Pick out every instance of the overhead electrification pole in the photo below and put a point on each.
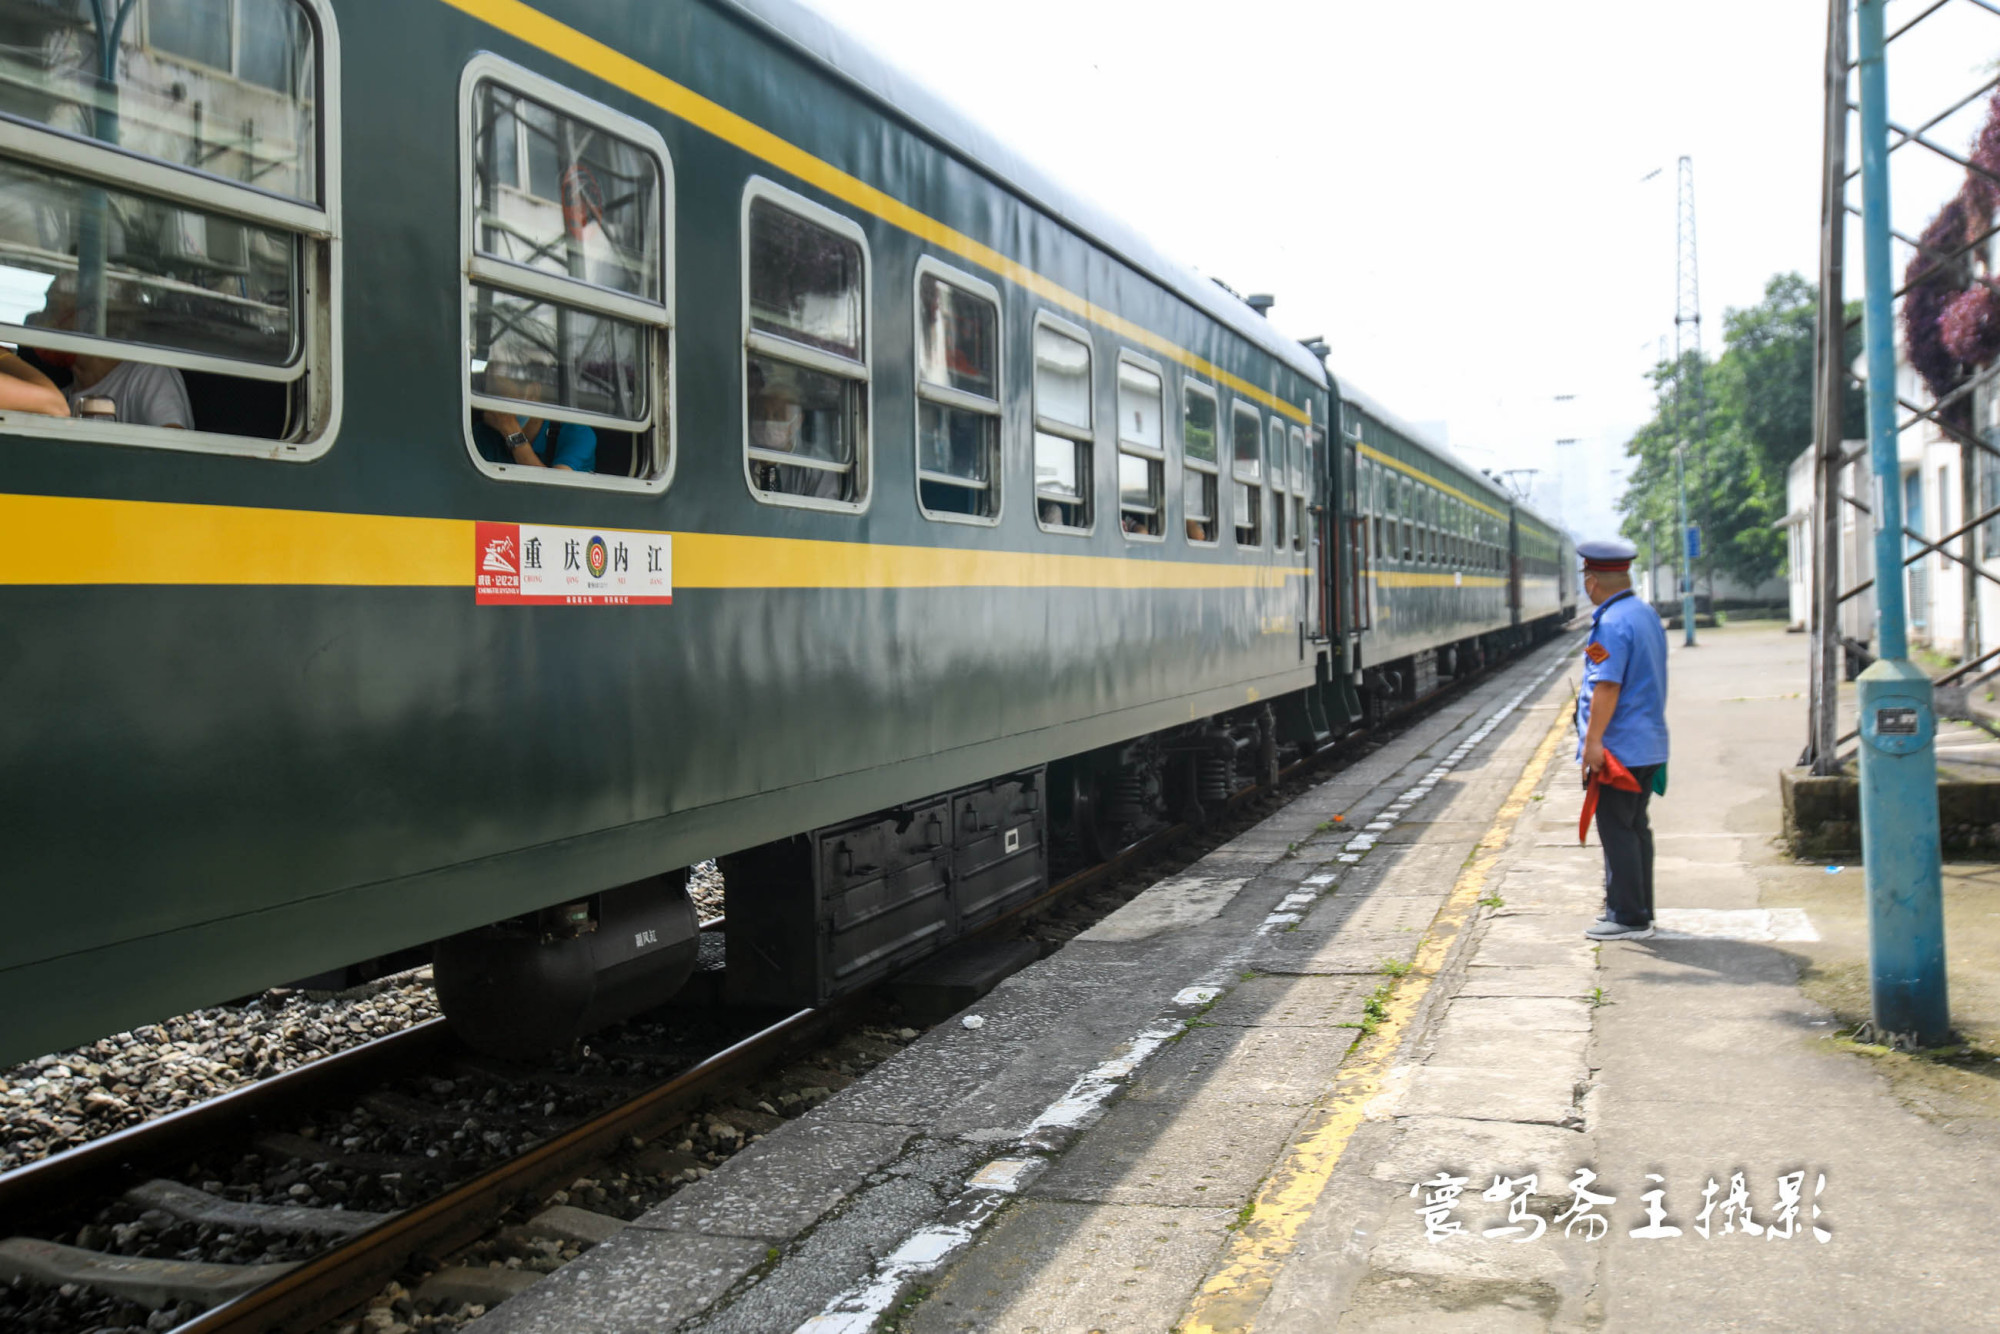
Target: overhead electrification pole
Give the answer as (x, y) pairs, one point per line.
(1687, 316)
(1899, 811)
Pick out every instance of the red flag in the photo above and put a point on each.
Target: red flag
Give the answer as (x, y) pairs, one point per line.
(1614, 774)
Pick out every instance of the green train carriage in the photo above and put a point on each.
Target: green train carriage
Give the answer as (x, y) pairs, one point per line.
(927, 520)
(1443, 569)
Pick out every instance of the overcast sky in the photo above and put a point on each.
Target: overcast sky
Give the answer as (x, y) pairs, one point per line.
(1452, 192)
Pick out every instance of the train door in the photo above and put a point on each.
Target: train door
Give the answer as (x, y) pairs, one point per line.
(1514, 570)
(1310, 490)
(1354, 530)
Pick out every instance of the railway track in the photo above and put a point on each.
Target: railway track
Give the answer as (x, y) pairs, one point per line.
(345, 1256)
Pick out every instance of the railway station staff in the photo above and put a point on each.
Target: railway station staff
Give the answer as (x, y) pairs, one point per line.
(1621, 710)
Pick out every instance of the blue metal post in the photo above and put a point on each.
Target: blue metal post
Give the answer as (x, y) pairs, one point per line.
(1687, 556)
(1899, 812)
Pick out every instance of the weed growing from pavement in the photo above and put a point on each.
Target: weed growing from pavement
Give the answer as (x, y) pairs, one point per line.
(1493, 901)
(1395, 967)
(892, 1323)
(1245, 1214)
(1597, 997)
(1376, 1008)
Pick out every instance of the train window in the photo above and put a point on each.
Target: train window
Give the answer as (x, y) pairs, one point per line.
(1142, 453)
(958, 395)
(1409, 526)
(1280, 504)
(1063, 426)
(1247, 467)
(1301, 475)
(806, 339)
(1199, 428)
(167, 261)
(567, 293)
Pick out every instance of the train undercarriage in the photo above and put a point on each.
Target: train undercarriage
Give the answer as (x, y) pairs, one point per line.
(828, 911)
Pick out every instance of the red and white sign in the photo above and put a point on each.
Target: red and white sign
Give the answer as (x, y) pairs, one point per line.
(532, 564)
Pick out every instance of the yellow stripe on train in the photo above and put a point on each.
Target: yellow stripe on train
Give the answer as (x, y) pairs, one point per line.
(57, 540)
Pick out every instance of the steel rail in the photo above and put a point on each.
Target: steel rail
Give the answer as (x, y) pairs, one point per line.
(104, 1166)
(332, 1282)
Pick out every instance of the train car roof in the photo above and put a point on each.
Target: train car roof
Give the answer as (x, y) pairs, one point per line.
(1422, 440)
(898, 95)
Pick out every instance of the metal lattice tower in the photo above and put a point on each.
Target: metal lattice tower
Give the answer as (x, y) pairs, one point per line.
(1687, 339)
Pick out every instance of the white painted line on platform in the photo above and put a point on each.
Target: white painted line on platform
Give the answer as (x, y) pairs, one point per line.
(1095, 1086)
(1004, 1173)
(1755, 925)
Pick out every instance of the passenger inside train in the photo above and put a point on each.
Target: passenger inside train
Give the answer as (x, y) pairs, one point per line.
(106, 388)
(783, 421)
(530, 442)
(24, 388)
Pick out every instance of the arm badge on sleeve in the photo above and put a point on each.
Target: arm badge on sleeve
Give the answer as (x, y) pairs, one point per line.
(1596, 652)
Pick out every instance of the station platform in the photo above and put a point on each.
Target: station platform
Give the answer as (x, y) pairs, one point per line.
(1303, 1084)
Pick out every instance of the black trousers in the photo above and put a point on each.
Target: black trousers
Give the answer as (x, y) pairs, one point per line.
(1627, 837)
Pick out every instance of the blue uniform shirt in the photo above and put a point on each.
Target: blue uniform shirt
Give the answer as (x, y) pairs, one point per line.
(575, 447)
(1628, 646)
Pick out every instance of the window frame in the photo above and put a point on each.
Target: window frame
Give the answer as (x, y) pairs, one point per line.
(780, 348)
(1213, 470)
(476, 270)
(1076, 435)
(1302, 484)
(314, 227)
(1240, 407)
(1280, 478)
(931, 266)
(1127, 357)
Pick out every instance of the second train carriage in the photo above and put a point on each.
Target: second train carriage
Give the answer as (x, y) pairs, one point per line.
(926, 515)
(1440, 568)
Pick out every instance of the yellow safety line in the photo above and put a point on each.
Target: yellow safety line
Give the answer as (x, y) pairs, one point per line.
(594, 57)
(1369, 451)
(1236, 1291)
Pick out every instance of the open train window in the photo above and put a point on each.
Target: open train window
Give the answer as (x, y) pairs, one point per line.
(1247, 468)
(1280, 503)
(568, 289)
(958, 395)
(1142, 448)
(806, 340)
(1064, 426)
(169, 261)
(1200, 427)
(1301, 483)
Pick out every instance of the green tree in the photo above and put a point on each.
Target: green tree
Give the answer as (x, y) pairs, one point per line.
(1759, 417)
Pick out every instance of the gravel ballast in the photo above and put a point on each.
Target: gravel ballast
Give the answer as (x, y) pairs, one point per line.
(68, 1098)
